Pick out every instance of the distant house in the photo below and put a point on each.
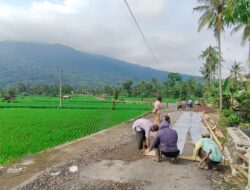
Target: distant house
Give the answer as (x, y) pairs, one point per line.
(66, 97)
(104, 95)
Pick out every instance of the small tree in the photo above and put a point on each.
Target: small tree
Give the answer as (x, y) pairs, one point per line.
(127, 85)
(11, 92)
(235, 74)
(115, 97)
(116, 94)
(173, 78)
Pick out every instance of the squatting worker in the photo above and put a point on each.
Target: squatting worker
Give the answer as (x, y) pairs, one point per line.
(165, 141)
(208, 151)
(142, 128)
(157, 110)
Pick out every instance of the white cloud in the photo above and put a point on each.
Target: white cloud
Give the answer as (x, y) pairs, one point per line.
(150, 9)
(105, 27)
(68, 6)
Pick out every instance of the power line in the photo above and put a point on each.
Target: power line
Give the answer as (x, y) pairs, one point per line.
(141, 32)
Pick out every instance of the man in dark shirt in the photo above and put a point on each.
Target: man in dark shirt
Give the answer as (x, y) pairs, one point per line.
(165, 141)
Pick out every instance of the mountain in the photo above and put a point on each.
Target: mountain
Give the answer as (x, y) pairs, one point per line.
(25, 62)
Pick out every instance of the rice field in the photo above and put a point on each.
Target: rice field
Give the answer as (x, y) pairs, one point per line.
(26, 130)
(75, 102)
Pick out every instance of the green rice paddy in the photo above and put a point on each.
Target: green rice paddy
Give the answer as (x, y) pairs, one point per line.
(32, 124)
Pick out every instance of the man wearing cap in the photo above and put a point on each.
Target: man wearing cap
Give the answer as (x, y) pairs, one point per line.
(208, 151)
(142, 128)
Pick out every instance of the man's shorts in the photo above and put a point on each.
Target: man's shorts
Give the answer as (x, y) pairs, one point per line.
(171, 154)
(140, 137)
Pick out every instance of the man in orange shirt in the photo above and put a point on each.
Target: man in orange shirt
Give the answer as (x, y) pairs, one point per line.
(157, 110)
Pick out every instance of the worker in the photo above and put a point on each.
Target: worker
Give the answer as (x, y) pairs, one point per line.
(208, 151)
(142, 128)
(190, 103)
(165, 141)
(157, 110)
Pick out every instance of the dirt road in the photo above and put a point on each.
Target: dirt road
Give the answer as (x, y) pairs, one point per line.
(108, 160)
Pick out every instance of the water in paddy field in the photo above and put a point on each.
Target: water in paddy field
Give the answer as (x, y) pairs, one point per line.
(189, 122)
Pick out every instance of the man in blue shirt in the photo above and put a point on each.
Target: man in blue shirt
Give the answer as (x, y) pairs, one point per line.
(208, 151)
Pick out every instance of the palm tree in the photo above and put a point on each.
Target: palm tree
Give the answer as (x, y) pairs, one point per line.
(238, 14)
(205, 73)
(232, 82)
(213, 18)
(190, 84)
(235, 73)
(210, 55)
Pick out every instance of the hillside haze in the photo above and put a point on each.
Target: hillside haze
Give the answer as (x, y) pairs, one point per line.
(24, 62)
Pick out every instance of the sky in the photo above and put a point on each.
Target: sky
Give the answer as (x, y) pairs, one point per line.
(105, 27)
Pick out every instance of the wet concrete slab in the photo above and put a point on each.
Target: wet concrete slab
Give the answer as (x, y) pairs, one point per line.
(189, 122)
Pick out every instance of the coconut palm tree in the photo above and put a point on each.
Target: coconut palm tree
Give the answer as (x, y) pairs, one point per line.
(213, 18)
(210, 55)
(231, 84)
(205, 73)
(236, 73)
(237, 13)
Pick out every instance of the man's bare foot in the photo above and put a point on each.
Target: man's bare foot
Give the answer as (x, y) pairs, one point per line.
(173, 160)
(156, 159)
(141, 151)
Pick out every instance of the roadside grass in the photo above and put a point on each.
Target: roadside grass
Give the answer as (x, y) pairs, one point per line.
(150, 99)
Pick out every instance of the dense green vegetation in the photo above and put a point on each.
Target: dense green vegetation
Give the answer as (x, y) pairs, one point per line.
(171, 89)
(232, 93)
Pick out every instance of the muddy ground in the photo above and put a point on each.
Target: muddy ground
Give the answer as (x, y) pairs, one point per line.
(110, 160)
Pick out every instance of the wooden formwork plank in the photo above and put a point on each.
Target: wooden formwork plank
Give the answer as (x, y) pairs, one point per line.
(220, 134)
(241, 170)
(212, 133)
(243, 157)
(190, 158)
(184, 157)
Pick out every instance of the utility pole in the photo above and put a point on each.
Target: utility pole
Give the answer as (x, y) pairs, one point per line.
(61, 75)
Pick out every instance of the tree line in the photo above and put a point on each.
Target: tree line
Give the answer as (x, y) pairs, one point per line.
(173, 87)
(21, 89)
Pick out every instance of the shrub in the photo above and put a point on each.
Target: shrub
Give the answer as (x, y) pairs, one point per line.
(233, 120)
(228, 112)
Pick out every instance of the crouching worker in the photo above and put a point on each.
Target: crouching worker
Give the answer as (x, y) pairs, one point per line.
(208, 151)
(165, 141)
(142, 128)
